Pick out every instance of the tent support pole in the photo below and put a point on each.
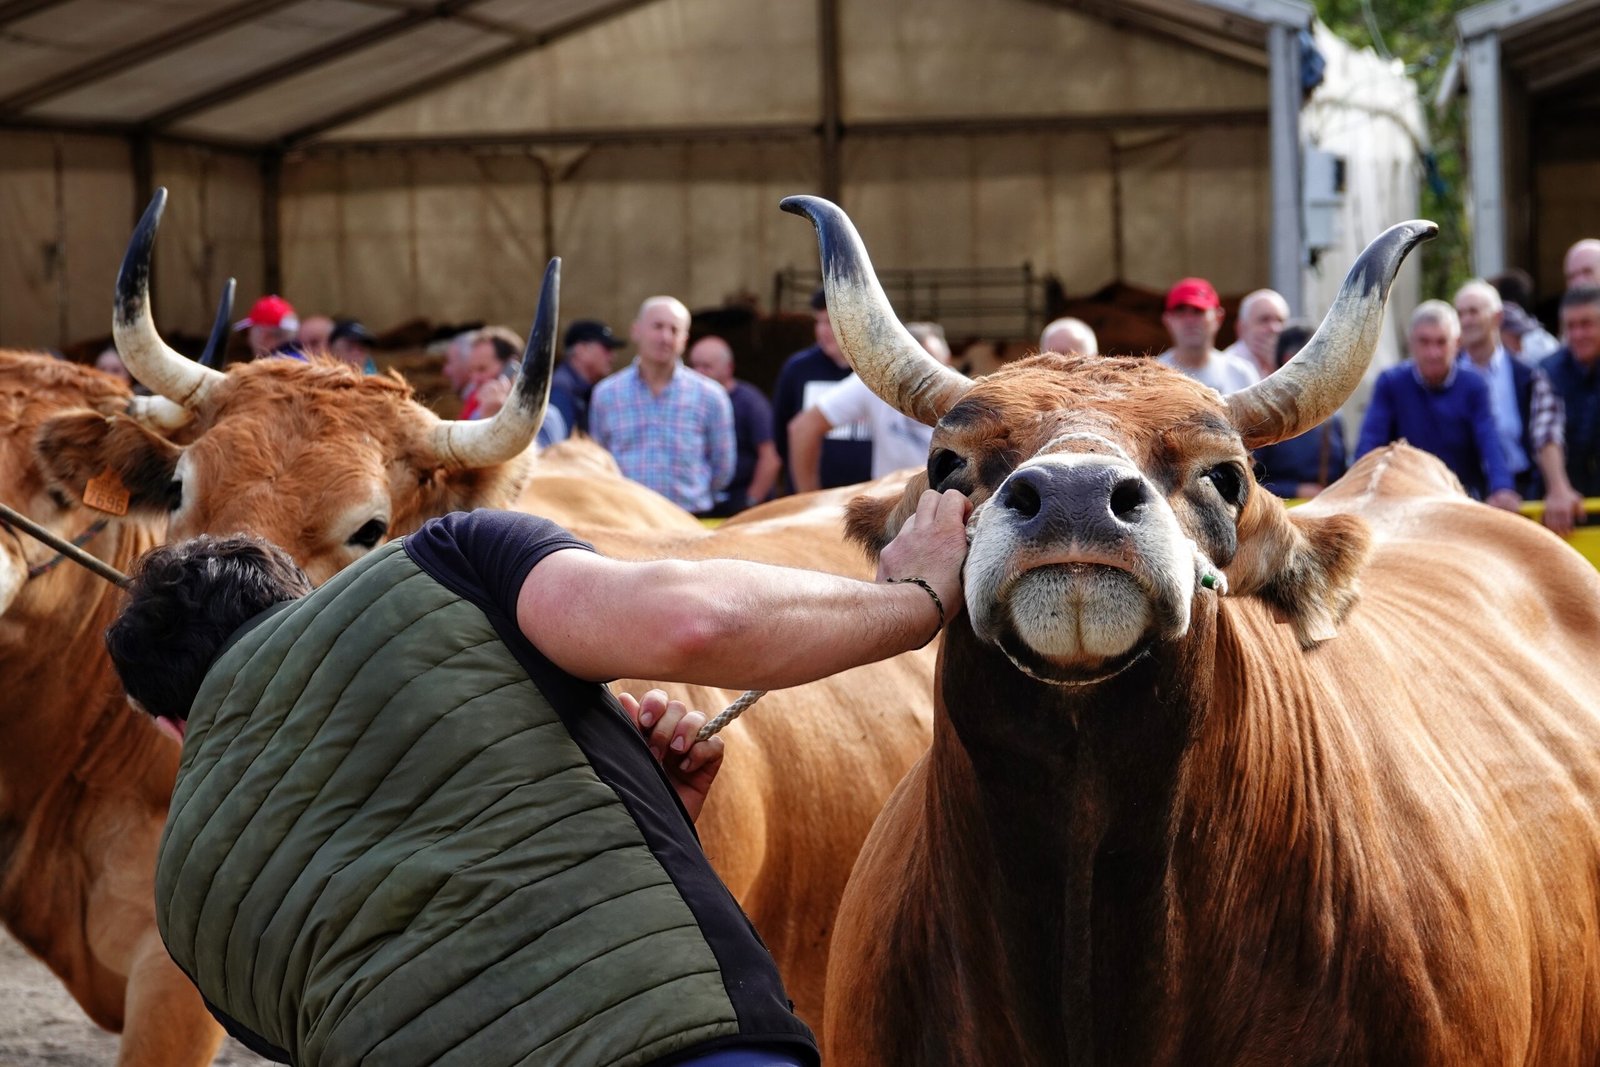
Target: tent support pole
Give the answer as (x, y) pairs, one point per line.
(1283, 122)
(271, 231)
(832, 127)
(1486, 164)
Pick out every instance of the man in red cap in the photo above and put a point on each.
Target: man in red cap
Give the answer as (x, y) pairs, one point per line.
(1192, 318)
(272, 324)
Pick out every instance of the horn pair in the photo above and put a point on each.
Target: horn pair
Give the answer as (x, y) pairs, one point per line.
(182, 386)
(1298, 396)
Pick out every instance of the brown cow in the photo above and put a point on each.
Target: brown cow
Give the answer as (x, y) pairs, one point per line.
(1349, 813)
(84, 782)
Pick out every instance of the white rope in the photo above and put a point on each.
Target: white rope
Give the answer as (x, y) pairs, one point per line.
(731, 712)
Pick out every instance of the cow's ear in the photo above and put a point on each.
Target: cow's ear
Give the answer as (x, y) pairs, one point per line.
(1306, 568)
(73, 447)
(873, 521)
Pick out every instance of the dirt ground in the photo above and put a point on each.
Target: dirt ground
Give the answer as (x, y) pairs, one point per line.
(41, 1025)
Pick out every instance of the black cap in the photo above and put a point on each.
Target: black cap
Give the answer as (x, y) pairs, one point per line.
(351, 330)
(590, 330)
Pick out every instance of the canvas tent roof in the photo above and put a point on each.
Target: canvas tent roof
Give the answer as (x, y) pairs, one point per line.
(283, 73)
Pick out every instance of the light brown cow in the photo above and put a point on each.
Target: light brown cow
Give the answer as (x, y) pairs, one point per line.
(1347, 813)
(84, 782)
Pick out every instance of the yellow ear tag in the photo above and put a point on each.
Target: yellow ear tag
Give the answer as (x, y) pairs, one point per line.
(105, 492)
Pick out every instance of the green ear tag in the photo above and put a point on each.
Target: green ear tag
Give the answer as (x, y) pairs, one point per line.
(1209, 579)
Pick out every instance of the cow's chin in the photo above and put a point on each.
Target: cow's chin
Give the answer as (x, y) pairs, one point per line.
(1076, 623)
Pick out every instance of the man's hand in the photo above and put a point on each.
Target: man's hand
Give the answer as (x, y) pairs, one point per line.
(932, 545)
(492, 396)
(669, 728)
(1506, 499)
(1563, 506)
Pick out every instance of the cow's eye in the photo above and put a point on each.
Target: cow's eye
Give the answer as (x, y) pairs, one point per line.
(370, 534)
(1229, 481)
(941, 465)
(175, 494)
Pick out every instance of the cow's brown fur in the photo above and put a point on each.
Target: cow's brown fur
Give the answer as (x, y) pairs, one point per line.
(1253, 845)
(84, 780)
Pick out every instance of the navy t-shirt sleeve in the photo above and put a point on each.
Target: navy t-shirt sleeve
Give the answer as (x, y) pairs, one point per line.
(485, 555)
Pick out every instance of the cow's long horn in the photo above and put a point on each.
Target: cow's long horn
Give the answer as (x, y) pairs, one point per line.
(881, 350)
(148, 358)
(1322, 375)
(463, 443)
(221, 326)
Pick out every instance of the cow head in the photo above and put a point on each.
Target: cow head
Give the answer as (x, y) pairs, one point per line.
(313, 456)
(1113, 494)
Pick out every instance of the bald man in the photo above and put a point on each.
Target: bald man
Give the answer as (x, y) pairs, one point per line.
(1068, 336)
(1582, 264)
(756, 472)
(668, 426)
(1260, 321)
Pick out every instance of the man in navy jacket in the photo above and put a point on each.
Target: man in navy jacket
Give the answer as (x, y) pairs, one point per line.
(1442, 407)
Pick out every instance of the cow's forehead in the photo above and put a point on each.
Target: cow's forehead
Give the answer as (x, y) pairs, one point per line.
(1036, 404)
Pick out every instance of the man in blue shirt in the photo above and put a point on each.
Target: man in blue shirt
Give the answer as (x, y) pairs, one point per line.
(806, 375)
(669, 427)
(1574, 371)
(1442, 407)
(586, 359)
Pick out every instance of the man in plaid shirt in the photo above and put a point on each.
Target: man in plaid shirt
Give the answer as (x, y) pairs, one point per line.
(669, 427)
(1528, 414)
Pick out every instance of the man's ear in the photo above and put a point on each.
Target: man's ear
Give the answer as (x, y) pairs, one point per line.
(1306, 568)
(873, 521)
(73, 447)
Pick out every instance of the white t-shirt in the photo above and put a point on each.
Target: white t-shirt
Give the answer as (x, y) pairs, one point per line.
(1222, 372)
(898, 441)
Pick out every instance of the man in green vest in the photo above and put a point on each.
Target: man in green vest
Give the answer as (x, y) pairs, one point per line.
(411, 824)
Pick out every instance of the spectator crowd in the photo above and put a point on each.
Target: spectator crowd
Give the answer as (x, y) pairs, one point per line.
(1512, 409)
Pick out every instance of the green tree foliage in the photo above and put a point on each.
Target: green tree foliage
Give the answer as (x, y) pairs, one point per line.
(1422, 34)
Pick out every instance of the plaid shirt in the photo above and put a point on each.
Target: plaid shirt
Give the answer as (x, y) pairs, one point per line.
(1547, 415)
(680, 443)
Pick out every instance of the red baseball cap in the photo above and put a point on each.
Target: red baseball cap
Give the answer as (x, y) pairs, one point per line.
(1194, 293)
(273, 311)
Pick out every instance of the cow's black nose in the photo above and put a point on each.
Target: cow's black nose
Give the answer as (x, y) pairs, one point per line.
(1084, 501)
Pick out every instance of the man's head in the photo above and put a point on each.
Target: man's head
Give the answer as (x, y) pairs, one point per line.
(1069, 336)
(1582, 264)
(1580, 323)
(588, 345)
(456, 357)
(1291, 339)
(1193, 316)
(110, 361)
(661, 332)
(315, 333)
(713, 357)
(184, 602)
(1261, 318)
(930, 335)
(493, 349)
(1480, 312)
(822, 327)
(351, 342)
(272, 324)
(1432, 339)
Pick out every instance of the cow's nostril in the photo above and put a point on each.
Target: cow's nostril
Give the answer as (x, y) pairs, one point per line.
(1022, 498)
(1127, 497)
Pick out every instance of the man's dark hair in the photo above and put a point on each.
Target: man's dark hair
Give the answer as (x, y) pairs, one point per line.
(1515, 286)
(1583, 296)
(1292, 338)
(184, 602)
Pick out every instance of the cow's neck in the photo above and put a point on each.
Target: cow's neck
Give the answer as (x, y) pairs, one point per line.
(62, 702)
(1060, 802)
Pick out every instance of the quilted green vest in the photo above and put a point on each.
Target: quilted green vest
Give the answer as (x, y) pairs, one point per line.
(385, 848)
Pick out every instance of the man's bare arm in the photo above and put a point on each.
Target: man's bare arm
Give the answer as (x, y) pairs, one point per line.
(742, 625)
